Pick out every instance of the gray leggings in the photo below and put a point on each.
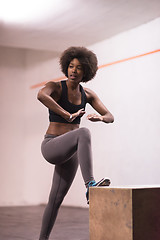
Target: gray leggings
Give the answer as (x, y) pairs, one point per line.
(66, 152)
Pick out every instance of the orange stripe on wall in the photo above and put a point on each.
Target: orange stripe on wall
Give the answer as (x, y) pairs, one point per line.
(101, 66)
(127, 59)
(43, 83)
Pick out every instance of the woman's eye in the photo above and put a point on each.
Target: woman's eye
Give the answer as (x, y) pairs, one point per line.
(79, 68)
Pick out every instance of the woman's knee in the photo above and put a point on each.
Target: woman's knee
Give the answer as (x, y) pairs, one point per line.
(85, 133)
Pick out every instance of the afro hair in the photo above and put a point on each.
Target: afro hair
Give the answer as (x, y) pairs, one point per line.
(86, 57)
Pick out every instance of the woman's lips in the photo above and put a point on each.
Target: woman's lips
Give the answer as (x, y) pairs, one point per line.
(73, 76)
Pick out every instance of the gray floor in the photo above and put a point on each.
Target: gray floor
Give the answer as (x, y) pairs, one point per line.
(23, 223)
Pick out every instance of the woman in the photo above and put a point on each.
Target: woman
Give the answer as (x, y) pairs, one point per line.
(65, 144)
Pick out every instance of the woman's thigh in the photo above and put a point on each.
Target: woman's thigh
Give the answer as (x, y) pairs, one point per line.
(59, 149)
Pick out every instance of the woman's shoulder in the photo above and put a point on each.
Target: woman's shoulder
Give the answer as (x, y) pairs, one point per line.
(90, 94)
(54, 85)
(88, 91)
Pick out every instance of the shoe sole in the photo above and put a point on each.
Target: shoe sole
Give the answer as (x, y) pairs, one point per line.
(103, 182)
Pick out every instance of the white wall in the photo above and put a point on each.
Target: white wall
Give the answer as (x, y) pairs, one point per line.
(126, 151)
(12, 81)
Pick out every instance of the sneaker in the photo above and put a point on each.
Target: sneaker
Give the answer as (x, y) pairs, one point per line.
(102, 183)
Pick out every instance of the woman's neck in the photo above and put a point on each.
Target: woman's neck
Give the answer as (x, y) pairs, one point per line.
(72, 85)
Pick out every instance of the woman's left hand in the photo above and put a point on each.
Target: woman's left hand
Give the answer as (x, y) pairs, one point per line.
(94, 117)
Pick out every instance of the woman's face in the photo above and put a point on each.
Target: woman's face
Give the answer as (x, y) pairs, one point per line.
(75, 71)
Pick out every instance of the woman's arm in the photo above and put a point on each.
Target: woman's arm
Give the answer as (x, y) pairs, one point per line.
(95, 102)
(44, 96)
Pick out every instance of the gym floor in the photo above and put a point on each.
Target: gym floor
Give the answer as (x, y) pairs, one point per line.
(23, 223)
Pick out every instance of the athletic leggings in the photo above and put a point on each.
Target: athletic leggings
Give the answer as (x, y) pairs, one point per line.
(66, 152)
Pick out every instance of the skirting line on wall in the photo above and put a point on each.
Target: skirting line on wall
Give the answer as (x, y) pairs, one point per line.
(101, 66)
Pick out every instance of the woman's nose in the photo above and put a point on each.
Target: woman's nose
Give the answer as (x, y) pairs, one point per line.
(74, 70)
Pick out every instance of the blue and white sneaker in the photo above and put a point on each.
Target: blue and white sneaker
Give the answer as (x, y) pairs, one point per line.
(102, 183)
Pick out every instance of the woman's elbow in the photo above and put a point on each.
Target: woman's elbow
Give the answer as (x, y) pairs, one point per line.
(111, 119)
(40, 96)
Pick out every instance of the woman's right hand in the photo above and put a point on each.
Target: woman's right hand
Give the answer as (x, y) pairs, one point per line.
(79, 113)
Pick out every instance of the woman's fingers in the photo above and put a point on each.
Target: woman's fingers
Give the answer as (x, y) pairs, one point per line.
(94, 117)
(81, 112)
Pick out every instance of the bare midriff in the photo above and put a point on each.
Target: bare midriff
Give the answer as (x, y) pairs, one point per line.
(56, 128)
